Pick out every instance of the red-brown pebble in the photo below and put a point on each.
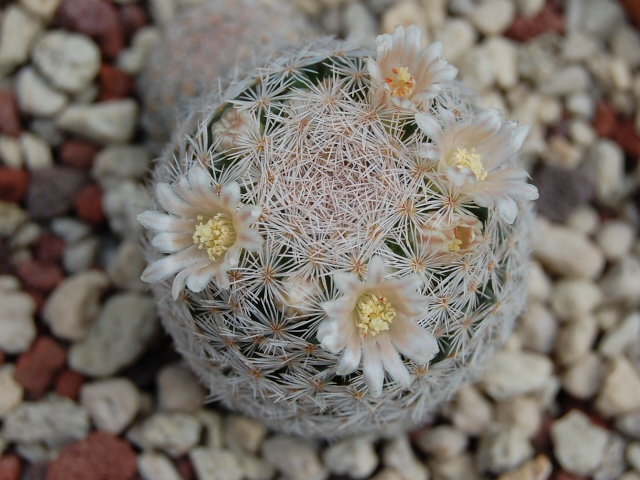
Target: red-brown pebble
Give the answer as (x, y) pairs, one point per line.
(526, 28)
(49, 248)
(2, 357)
(185, 468)
(68, 384)
(40, 276)
(9, 467)
(633, 9)
(562, 475)
(35, 471)
(133, 18)
(96, 18)
(36, 369)
(37, 296)
(78, 154)
(628, 139)
(13, 184)
(51, 191)
(99, 456)
(114, 83)
(605, 121)
(9, 116)
(88, 204)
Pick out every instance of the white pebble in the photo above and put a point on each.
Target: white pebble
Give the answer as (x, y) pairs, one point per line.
(173, 433)
(578, 47)
(572, 299)
(563, 153)
(539, 283)
(530, 8)
(17, 34)
(70, 61)
(457, 468)
(80, 255)
(621, 283)
(217, 464)
(629, 424)
(471, 411)
(214, 430)
(17, 326)
(156, 466)
(615, 238)
(584, 378)
(522, 412)
(74, 304)
(503, 448)
(11, 218)
(540, 468)
(516, 373)
(581, 104)
(537, 328)
(11, 153)
(293, 457)
(162, 11)
(255, 468)
(113, 121)
(633, 455)
(620, 392)
(116, 163)
(568, 80)
(584, 220)
(442, 441)
(620, 74)
(179, 389)
(37, 152)
(355, 458)
(618, 339)
(581, 133)
(566, 252)
(112, 403)
(10, 391)
(493, 16)
(606, 161)
(397, 454)
(123, 204)
(405, 13)
(244, 434)
(132, 60)
(41, 8)
(126, 266)
(358, 21)
(625, 44)
(503, 55)
(457, 37)
(35, 96)
(578, 444)
(575, 340)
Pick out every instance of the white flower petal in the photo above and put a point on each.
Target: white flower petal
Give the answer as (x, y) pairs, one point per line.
(413, 341)
(248, 214)
(200, 181)
(172, 202)
(375, 271)
(200, 278)
(346, 282)
(171, 242)
(393, 363)
(350, 359)
(179, 283)
(372, 369)
(165, 267)
(230, 195)
(339, 307)
(333, 335)
(429, 126)
(162, 222)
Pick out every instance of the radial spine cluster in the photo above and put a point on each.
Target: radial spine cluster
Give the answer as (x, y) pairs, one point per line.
(341, 236)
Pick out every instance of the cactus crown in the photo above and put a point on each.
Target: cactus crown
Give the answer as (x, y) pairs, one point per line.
(345, 232)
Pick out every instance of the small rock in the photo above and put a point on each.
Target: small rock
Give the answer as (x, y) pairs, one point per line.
(618, 339)
(578, 444)
(112, 403)
(155, 466)
(49, 248)
(358, 21)
(41, 8)
(626, 136)
(457, 468)
(504, 57)
(442, 441)
(133, 18)
(629, 424)
(54, 422)
(471, 411)
(575, 340)
(620, 392)
(567, 81)
(98, 456)
(606, 160)
(539, 283)
(633, 455)
(404, 13)
(595, 17)
(244, 434)
(88, 204)
(116, 163)
(613, 464)
(217, 464)
(493, 16)
(615, 239)
(79, 154)
(12, 217)
(81, 255)
(581, 133)
(573, 299)
(10, 467)
(106, 122)
(503, 448)
(133, 59)
(68, 384)
(539, 468)
(174, 433)
(123, 330)
(114, 83)
(179, 390)
(537, 328)
(123, 204)
(11, 152)
(605, 122)
(37, 368)
(566, 252)
(584, 377)
(397, 454)
(582, 105)
(162, 11)
(293, 457)
(621, 283)
(10, 391)
(355, 458)
(625, 44)
(126, 266)
(578, 47)
(562, 190)
(13, 184)
(254, 468)
(19, 30)
(74, 304)
(9, 116)
(513, 373)
(37, 152)
(521, 412)
(39, 276)
(51, 191)
(68, 60)
(70, 229)
(457, 37)
(17, 326)
(212, 422)
(35, 96)
(525, 28)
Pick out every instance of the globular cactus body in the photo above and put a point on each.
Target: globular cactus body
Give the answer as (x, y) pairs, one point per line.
(345, 237)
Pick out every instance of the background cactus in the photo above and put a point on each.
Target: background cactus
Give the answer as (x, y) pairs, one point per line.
(206, 43)
(347, 236)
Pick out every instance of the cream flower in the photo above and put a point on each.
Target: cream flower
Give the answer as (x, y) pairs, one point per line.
(406, 73)
(451, 239)
(232, 126)
(477, 155)
(203, 231)
(376, 321)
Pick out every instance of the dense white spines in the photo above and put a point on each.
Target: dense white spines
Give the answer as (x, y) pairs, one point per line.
(378, 280)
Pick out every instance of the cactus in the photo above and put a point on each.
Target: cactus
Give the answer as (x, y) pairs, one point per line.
(341, 237)
(204, 43)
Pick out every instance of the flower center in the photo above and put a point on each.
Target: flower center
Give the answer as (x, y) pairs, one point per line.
(470, 159)
(374, 314)
(401, 82)
(216, 235)
(454, 245)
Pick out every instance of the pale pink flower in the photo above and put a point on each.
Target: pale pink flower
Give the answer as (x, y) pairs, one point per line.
(477, 156)
(451, 238)
(375, 321)
(203, 232)
(233, 125)
(404, 72)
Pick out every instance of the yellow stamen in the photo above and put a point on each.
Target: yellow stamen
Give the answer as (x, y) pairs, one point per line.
(402, 83)
(374, 313)
(215, 235)
(470, 159)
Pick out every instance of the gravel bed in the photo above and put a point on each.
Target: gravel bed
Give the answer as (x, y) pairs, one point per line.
(90, 387)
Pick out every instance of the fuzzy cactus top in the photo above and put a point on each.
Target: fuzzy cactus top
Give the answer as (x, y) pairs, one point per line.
(340, 235)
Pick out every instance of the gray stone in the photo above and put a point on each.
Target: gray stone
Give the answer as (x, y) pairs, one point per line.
(80, 256)
(11, 152)
(179, 389)
(572, 299)
(122, 205)
(606, 166)
(122, 332)
(118, 162)
(35, 96)
(503, 448)
(217, 464)
(584, 377)
(398, 455)
(620, 392)
(37, 152)
(10, 391)
(512, 373)
(457, 37)
(537, 328)
(126, 266)
(70, 229)
(244, 434)
(112, 403)
(575, 340)
(493, 16)
(522, 412)
(355, 458)
(17, 326)
(11, 218)
(613, 464)
(17, 34)
(294, 458)
(578, 444)
(620, 338)
(113, 121)
(629, 424)
(471, 412)
(74, 304)
(54, 422)
(156, 466)
(70, 61)
(621, 283)
(358, 21)
(442, 441)
(174, 433)
(41, 8)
